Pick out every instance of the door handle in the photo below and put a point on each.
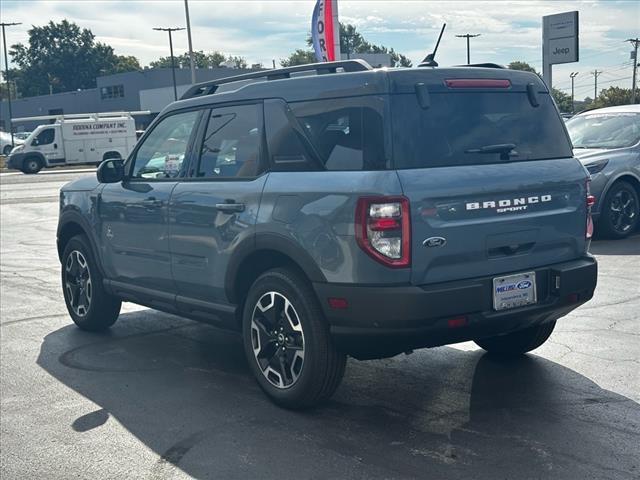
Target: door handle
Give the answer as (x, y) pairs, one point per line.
(230, 207)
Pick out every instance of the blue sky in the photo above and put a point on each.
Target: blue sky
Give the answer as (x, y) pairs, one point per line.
(266, 30)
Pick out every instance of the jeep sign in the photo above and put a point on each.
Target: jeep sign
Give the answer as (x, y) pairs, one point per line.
(559, 41)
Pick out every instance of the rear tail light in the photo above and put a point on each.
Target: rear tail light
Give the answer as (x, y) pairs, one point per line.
(383, 229)
(591, 201)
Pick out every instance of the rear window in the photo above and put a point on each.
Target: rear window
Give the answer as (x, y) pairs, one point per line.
(456, 127)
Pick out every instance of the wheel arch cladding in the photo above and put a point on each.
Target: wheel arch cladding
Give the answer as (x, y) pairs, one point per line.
(67, 231)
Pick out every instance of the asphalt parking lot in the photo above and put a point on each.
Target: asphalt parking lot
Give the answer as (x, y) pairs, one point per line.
(160, 397)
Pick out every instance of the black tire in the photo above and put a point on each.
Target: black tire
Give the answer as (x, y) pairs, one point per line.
(31, 165)
(518, 342)
(322, 367)
(98, 310)
(7, 150)
(619, 212)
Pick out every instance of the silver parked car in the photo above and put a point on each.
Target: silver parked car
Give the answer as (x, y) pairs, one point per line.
(607, 142)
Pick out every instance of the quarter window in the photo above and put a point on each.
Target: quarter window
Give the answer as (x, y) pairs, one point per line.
(163, 151)
(231, 145)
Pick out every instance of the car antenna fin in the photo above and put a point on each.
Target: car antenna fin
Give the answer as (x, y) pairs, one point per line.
(429, 60)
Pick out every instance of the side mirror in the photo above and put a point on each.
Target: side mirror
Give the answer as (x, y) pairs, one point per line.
(111, 171)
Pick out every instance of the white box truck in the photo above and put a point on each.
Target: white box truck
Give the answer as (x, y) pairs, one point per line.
(75, 139)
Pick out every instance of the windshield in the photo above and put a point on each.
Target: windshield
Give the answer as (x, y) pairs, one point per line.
(474, 128)
(604, 130)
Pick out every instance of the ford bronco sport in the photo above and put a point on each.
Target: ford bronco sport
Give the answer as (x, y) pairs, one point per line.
(333, 209)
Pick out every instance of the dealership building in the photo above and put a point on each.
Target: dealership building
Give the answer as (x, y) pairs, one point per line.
(148, 89)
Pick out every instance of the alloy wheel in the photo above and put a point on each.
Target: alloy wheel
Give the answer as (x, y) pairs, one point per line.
(622, 211)
(77, 282)
(277, 339)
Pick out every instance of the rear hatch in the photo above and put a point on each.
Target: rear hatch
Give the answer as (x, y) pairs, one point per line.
(486, 163)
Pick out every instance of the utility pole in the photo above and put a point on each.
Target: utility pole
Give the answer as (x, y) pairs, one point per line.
(468, 36)
(6, 75)
(573, 104)
(634, 42)
(595, 74)
(192, 63)
(173, 61)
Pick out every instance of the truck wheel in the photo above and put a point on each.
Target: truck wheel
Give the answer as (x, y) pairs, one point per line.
(620, 211)
(89, 305)
(287, 341)
(518, 342)
(31, 165)
(7, 150)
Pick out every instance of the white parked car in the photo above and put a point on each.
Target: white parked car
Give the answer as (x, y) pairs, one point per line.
(5, 142)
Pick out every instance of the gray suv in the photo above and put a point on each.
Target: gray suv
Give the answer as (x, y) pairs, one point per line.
(333, 209)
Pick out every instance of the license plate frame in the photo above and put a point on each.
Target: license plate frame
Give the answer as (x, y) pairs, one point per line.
(514, 291)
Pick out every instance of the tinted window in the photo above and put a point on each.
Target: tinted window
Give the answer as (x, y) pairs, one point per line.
(163, 151)
(604, 130)
(45, 137)
(456, 125)
(231, 145)
(347, 134)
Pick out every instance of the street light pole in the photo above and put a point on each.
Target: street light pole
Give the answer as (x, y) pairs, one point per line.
(191, 60)
(468, 36)
(173, 62)
(573, 75)
(6, 75)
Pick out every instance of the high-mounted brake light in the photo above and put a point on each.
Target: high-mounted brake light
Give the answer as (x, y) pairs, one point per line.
(383, 229)
(477, 83)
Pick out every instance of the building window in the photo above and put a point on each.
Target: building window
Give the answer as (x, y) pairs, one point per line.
(112, 91)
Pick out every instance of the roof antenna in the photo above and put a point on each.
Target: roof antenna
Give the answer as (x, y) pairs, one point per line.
(429, 60)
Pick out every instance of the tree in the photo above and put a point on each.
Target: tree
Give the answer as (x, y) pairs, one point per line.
(201, 60)
(351, 42)
(524, 66)
(237, 62)
(612, 96)
(563, 100)
(61, 57)
(299, 57)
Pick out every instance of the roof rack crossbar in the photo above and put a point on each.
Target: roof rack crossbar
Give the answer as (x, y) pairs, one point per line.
(209, 88)
(483, 65)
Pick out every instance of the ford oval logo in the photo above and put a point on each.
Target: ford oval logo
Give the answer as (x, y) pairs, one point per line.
(435, 242)
(524, 284)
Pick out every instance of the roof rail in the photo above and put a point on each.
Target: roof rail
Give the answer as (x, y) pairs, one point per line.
(483, 65)
(209, 88)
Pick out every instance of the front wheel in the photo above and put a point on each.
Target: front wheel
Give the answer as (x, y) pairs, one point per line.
(518, 342)
(287, 341)
(89, 305)
(31, 165)
(7, 150)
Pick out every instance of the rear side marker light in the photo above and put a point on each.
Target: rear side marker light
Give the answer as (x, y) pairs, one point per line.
(477, 83)
(338, 303)
(383, 229)
(591, 201)
(457, 322)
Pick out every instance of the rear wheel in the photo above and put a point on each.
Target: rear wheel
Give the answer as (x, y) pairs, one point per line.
(620, 211)
(89, 305)
(287, 341)
(31, 165)
(519, 342)
(7, 150)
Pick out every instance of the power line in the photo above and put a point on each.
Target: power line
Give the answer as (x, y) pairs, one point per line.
(595, 74)
(634, 42)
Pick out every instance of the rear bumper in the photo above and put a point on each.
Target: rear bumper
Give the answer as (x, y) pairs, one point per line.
(384, 321)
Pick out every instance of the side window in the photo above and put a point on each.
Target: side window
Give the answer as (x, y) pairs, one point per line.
(163, 151)
(45, 137)
(347, 135)
(231, 144)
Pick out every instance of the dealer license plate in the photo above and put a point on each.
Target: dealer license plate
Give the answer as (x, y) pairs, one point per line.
(514, 291)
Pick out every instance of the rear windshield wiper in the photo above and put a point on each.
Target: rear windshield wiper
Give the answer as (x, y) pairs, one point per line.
(506, 150)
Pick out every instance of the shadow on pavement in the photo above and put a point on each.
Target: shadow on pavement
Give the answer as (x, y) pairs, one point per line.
(185, 391)
(628, 246)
